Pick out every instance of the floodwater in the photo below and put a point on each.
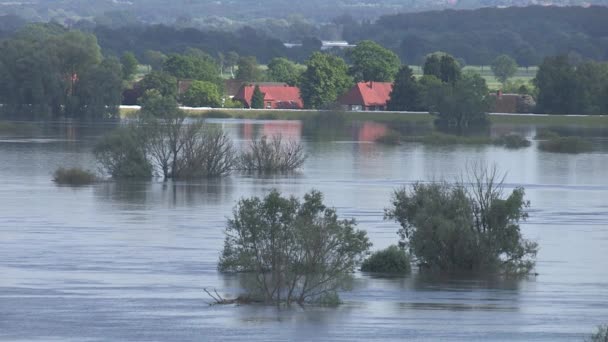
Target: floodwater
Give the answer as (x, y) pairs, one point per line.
(129, 261)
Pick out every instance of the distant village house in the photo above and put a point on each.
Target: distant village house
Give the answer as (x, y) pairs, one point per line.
(367, 96)
(276, 95)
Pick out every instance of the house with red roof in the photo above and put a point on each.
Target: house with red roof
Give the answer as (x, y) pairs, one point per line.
(367, 96)
(276, 95)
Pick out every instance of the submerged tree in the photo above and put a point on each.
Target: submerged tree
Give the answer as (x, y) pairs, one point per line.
(291, 251)
(462, 227)
(272, 155)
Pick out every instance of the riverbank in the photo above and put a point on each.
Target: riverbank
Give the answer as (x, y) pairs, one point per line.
(384, 117)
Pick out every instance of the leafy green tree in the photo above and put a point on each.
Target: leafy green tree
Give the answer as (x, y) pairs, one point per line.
(504, 67)
(406, 93)
(155, 59)
(601, 335)
(429, 85)
(196, 66)
(450, 70)
(129, 65)
(442, 66)
(462, 227)
(164, 83)
(326, 77)
(291, 251)
(248, 70)
(372, 62)
(232, 58)
(257, 99)
(432, 65)
(100, 92)
(461, 105)
(283, 70)
(202, 94)
(558, 87)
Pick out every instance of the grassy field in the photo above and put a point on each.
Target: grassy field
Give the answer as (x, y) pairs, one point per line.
(522, 74)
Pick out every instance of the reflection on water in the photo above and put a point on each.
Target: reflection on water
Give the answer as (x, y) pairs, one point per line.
(128, 260)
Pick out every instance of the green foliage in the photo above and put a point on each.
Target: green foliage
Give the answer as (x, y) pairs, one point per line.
(50, 72)
(601, 335)
(162, 82)
(248, 70)
(202, 94)
(325, 78)
(196, 66)
(129, 65)
(460, 105)
(257, 99)
(272, 155)
(74, 176)
(461, 227)
(546, 134)
(407, 93)
(565, 88)
(504, 67)
(155, 59)
(292, 251)
(372, 62)
(392, 260)
(565, 145)
(443, 66)
(122, 154)
(283, 70)
(512, 141)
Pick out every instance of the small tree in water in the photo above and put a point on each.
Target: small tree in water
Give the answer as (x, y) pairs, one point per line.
(457, 227)
(272, 155)
(291, 251)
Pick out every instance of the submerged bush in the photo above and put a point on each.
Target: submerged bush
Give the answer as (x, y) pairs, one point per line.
(601, 335)
(272, 155)
(565, 145)
(74, 176)
(545, 134)
(122, 153)
(291, 251)
(512, 141)
(392, 260)
(437, 138)
(206, 152)
(461, 227)
(390, 138)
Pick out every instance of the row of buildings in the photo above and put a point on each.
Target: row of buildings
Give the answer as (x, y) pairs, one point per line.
(363, 96)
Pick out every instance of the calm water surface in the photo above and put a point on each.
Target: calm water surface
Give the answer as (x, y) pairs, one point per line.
(128, 261)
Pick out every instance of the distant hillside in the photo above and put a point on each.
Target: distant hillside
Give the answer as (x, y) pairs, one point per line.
(164, 11)
(478, 36)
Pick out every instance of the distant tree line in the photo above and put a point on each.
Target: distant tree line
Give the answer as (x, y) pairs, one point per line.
(528, 34)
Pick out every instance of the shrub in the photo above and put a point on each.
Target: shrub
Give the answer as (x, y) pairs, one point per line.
(545, 134)
(512, 141)
(272, 155)
(206, 152)
(390, 138)
(215, 114)
(456, 227)
(601, 335)
(437, 138)
(122, 154)
(565, 145)
(74, 176)
(291, 251)
(392, 260)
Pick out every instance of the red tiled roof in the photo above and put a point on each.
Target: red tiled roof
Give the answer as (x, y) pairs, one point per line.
(279, 94)
(368, 94)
